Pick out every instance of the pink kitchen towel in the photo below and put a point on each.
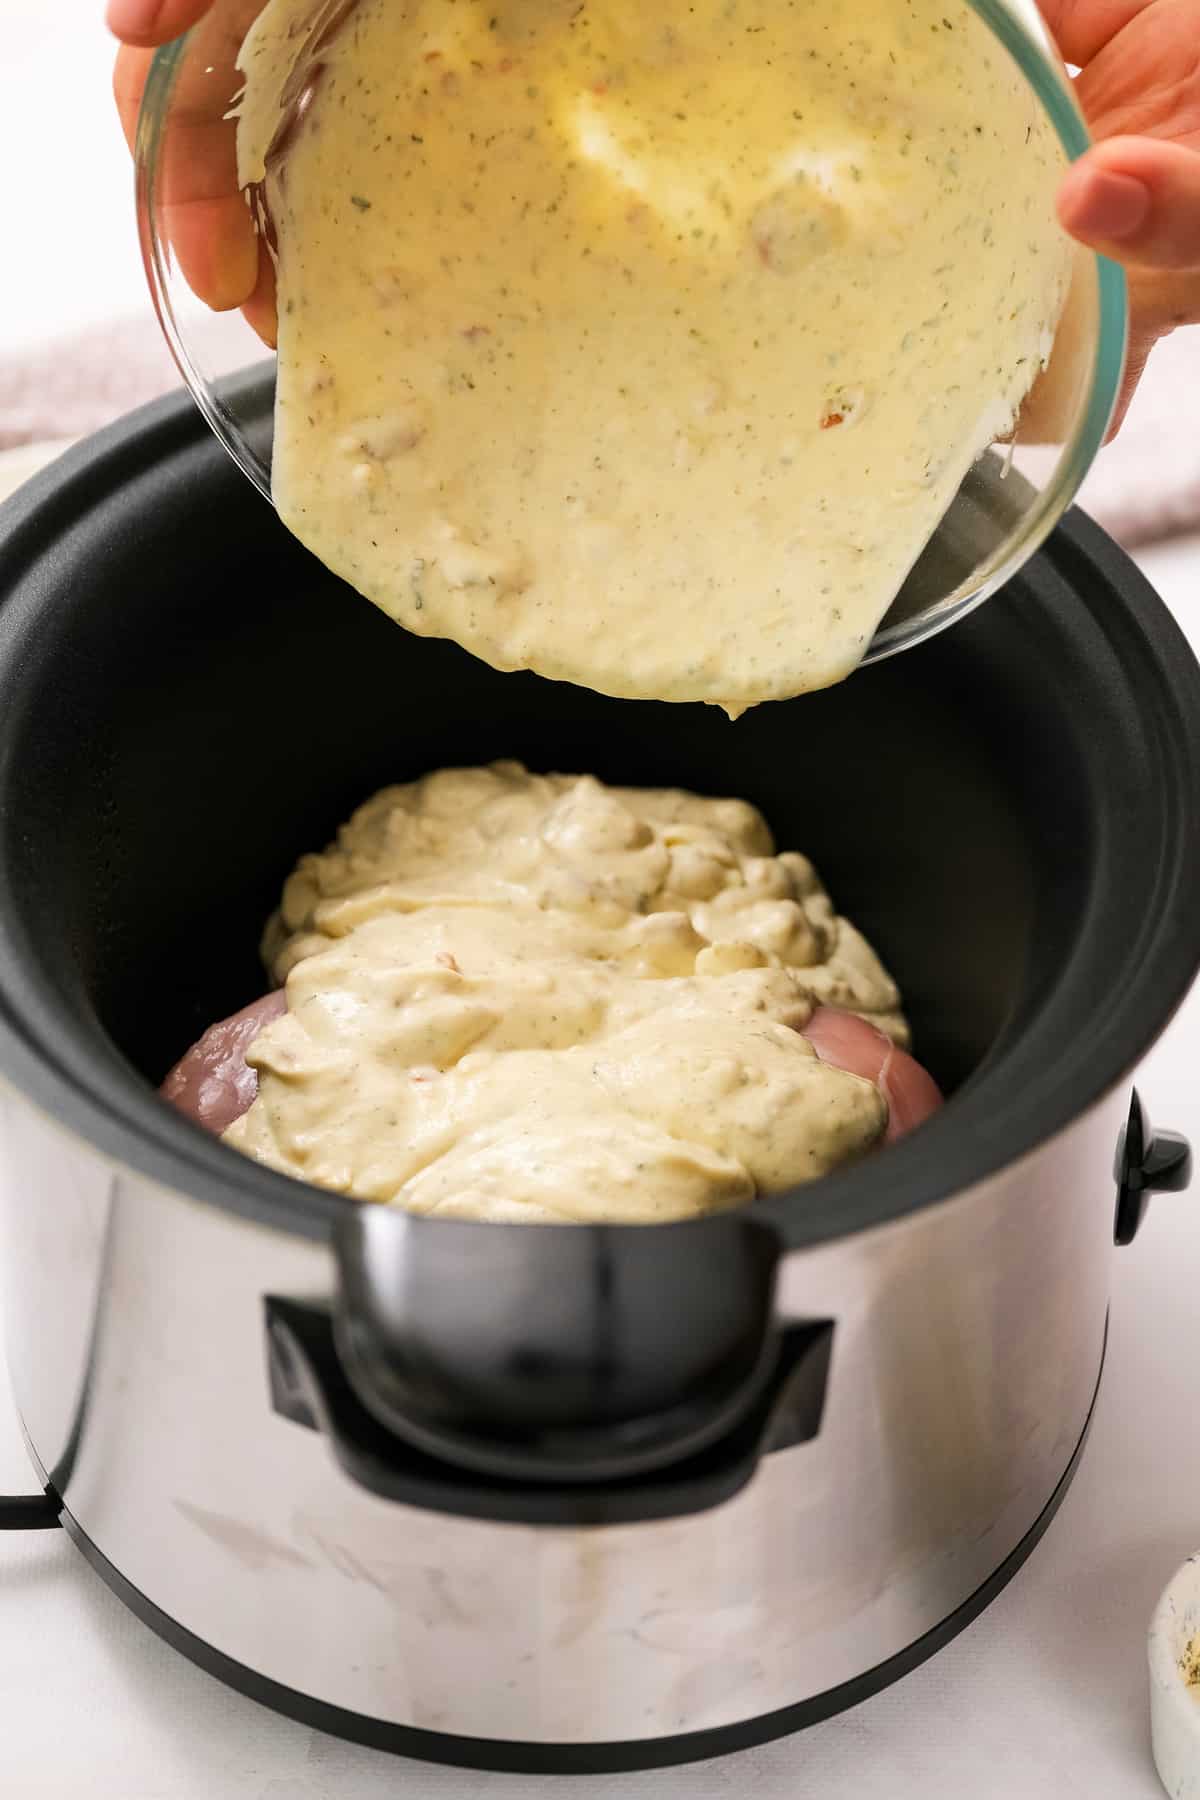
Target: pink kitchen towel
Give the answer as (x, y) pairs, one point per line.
(1144, 487)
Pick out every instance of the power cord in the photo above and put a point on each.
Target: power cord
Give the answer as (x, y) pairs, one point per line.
(29, 1512)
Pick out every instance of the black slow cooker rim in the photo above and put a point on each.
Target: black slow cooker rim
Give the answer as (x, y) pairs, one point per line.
(999, 1118)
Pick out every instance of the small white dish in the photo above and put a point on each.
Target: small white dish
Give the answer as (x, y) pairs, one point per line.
(1174, 1651)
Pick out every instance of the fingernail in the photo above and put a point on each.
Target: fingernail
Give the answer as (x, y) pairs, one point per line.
(132, 18)
(1106, 205)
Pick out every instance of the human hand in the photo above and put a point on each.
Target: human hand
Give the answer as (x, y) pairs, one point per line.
(205, 216)
(1135, 196)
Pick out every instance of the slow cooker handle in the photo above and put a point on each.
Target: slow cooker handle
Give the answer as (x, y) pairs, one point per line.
(308, 1387)
(1148, 1162)
(556, 1353)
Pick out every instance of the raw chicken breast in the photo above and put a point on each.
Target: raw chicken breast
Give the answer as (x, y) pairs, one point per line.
(214, 1085)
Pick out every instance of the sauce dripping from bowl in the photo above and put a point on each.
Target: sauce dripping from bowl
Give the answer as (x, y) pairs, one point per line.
(645, 348)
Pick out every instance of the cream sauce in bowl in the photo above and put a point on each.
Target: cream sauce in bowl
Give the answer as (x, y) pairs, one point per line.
(645, 347)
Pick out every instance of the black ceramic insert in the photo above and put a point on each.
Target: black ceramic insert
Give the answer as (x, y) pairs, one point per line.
(189, 701)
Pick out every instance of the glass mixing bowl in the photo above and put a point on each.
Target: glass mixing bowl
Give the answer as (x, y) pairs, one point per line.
(1008, 503)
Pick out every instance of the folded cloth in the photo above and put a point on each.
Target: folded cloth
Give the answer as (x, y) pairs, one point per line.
(1146, 485)
(1143, 487)
(68, 388)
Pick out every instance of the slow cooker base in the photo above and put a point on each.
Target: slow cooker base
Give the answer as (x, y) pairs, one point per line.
(500, 1755)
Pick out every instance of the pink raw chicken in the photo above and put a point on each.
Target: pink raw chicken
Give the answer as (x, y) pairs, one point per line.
(850, 1043)
(214, 1085)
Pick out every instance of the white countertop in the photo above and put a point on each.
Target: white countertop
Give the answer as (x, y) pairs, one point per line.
(1043, 1698)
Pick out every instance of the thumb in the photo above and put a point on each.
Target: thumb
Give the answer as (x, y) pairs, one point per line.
(1136, 200)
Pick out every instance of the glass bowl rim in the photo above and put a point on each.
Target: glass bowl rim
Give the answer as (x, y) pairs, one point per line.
(1024, 36)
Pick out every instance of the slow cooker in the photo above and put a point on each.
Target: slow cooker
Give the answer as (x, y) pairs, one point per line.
(561, 1497)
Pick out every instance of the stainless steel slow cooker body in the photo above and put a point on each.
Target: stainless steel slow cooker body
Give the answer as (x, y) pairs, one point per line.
(560, 1497)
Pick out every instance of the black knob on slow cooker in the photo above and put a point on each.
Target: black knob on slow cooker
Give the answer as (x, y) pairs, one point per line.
(1148, 1162)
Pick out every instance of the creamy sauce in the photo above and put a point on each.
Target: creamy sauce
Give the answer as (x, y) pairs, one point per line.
(645, 345)
(516, 996)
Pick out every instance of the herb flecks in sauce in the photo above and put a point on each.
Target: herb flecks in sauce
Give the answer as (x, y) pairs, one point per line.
(613, 254)
(516, 996)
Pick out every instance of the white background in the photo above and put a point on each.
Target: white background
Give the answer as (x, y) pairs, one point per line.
(1045, 1696)
(69, 253)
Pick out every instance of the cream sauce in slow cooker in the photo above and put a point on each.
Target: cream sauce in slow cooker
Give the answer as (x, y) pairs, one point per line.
(534, 997)
(645, 346)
